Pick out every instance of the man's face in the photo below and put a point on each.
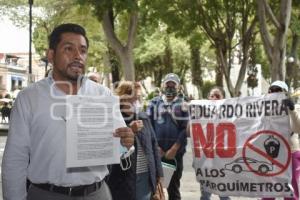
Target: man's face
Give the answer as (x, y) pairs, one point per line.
(275, 89)
(69, 57)
(170, 90)
(215, 94)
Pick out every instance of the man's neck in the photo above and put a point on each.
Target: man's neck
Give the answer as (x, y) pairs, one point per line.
(69, 87)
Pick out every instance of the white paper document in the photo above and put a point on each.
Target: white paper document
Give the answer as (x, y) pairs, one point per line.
(90, 124)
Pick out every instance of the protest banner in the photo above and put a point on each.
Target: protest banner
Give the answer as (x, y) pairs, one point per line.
(241, 146)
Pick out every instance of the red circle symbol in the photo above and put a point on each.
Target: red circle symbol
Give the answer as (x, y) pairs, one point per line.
(251, 147)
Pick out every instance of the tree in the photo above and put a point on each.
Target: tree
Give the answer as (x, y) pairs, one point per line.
(228, 25)
(275, 46)
(293, 62)
(107, 11)
(49, 14)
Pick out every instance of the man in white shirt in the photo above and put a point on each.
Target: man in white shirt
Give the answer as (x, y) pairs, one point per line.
(35, 151)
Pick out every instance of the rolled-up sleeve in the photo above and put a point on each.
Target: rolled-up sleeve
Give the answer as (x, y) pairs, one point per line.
(16, 154)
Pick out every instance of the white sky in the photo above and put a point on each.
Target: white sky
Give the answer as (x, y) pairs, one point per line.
(12, 38)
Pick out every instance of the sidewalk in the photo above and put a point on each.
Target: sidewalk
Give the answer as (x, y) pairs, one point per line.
(4, 129)
(4, 126)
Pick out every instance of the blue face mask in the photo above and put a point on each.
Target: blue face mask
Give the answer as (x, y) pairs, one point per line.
(123, 150)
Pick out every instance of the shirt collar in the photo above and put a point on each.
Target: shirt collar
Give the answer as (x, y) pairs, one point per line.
(51, 81)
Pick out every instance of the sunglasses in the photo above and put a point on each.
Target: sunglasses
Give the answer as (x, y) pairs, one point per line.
(275, 90)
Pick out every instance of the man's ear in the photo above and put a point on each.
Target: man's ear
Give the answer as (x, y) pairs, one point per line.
(50, 55)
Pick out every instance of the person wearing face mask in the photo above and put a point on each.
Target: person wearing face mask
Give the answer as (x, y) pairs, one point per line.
(139, 181)
(169, 119)
(280, 86)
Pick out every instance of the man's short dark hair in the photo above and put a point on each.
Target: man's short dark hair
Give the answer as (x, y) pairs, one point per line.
(55, 36)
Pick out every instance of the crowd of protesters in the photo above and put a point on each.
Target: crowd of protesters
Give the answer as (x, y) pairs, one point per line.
(33, 165)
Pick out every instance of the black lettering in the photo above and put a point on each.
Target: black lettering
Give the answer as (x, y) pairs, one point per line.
(269, 187)
(287, 187)
(222, 173)
(207, 184)
(199, 172)
(202, 182)
(237, 185)
(222, 111)
(278, 187)
(283, 108)
(222, 187)
(275, 107)
(213, 112)
(207, 174)
(238, 110)
(248, 110)
(213, 186)
(260, 108)
(206, 112)
(267, 108)
(214, 173)
(198, 112)
(244, 186)
(260, 186)
(192, 111)
(253, 187)
(229, 111)
(230, 187)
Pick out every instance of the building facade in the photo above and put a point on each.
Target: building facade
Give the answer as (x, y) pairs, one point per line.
(14, 71)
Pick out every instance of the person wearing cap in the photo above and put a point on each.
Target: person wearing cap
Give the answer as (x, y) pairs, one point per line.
(169, 120)
(280, 86)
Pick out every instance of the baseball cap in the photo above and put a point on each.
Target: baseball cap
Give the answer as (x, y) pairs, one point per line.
(280, 84)
(171, 77)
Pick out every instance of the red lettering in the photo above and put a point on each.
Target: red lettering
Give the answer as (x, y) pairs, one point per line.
(224, 129)
(206, 141)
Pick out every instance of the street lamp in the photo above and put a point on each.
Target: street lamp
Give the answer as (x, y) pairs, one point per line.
(30, 41)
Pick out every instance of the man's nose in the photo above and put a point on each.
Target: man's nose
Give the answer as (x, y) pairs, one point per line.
(77, 54)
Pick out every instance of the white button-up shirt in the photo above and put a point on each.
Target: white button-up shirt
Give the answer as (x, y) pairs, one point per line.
(36, 143)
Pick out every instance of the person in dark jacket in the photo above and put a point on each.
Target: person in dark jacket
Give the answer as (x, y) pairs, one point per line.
(139, 181)
(5, 112)
(169, 117)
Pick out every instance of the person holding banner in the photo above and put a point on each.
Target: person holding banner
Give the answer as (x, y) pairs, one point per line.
(145, 169)
(215, 93)
(169, 117)
(280, 86)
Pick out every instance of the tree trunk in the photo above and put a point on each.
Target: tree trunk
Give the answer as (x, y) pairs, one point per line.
(126, 59)
(291, 69)
(124, 52)
(196, 68)
(278, 63)
(276, 49)
(168, 60)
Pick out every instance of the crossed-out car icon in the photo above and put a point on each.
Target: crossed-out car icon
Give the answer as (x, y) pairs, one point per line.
(239, 165)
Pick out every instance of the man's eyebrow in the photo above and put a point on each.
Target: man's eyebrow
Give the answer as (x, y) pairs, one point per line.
(71, 43)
